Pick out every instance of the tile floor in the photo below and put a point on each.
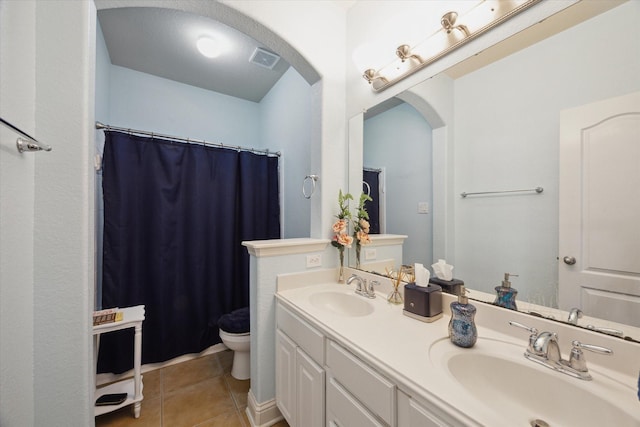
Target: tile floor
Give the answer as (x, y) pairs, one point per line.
(197, 393)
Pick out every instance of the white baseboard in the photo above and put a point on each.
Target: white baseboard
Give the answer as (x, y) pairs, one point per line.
(263, 414)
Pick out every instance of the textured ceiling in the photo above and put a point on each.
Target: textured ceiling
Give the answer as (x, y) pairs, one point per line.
(162, 42)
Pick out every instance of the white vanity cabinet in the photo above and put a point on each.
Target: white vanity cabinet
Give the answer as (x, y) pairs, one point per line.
(411, 413)
(369, 396)
(318, 379)
(300, 377)
(344, 410)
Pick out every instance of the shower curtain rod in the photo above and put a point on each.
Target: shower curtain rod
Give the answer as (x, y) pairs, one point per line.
(188, 140)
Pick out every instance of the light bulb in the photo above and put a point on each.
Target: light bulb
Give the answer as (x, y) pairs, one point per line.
(209, 47)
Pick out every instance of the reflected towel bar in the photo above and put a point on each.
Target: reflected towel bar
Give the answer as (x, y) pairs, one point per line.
(538, 190)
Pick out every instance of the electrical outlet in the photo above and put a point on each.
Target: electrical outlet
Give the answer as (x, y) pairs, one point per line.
(423, 208)
(314, 260)
(370, 254)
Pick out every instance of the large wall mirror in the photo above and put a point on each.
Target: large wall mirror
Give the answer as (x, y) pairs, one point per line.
(502, 121)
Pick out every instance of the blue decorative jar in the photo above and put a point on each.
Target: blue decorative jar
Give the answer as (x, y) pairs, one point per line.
(462, 327)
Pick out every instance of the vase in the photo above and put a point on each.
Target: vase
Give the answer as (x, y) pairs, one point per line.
(341, 268)
(395, 297)
(358, 247)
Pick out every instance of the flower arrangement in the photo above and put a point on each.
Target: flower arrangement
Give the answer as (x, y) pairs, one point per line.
(361, 226)
(341, 238)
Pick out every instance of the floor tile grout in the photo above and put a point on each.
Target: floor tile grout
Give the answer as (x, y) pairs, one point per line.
(124, 417)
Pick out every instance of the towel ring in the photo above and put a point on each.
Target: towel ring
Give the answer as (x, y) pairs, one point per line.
(366, 184)
(313, 179)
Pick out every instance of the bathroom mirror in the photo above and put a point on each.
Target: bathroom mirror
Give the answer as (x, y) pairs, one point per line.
(505, 133)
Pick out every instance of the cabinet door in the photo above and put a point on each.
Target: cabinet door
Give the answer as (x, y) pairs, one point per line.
(412, 414)
(310, 391)
(286, 377)
(363, 382)
(344, 410)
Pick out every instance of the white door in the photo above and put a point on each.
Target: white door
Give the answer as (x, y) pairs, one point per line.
(599, 244)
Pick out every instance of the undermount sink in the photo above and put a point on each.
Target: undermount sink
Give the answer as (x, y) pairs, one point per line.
(496, 374)
(342, 303)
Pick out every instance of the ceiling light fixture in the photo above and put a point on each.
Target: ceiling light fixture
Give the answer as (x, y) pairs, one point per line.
(209, 47)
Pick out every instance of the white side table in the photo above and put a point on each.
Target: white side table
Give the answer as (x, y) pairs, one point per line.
(132, 318)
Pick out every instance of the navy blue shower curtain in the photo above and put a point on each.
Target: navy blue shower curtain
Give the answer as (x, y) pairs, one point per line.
(175, 215)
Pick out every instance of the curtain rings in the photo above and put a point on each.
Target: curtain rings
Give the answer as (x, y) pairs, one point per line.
(313, 179)
(366, 184)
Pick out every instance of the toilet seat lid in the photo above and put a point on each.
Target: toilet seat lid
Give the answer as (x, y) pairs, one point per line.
(236, 322)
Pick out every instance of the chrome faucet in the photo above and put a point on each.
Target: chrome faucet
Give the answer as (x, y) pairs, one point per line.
(361, 286)
(574, 315)
(544, 349)
(546, 346)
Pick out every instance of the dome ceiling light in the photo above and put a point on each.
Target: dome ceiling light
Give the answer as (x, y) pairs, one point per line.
(210, 47)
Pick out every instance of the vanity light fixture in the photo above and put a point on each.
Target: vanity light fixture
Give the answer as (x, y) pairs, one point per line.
(486, 15)
(404, 53)
(448, 22)
(370, 76)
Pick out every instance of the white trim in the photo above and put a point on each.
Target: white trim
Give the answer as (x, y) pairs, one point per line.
(276, 247)
(262, 414)
(387, 239)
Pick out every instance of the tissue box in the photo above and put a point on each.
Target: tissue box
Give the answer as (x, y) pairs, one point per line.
(423, 302)
(452, 286)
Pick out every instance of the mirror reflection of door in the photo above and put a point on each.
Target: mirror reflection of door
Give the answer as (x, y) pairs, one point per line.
(373, 185)
(599, 209)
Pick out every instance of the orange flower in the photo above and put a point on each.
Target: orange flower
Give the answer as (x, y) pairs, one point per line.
(344, 239)
(363, 237)
(364, 224)
(340, 225)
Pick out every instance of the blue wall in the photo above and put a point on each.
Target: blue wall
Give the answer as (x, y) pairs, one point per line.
(280, 122)
(507, 119)
(285, 125)
(399, 140)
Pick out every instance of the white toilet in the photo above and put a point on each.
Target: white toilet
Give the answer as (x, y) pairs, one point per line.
(234, 333)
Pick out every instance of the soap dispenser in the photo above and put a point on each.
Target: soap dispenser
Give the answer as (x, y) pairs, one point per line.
(462, 327)
(505, 294)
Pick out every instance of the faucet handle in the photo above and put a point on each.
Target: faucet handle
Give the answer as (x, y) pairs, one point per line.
(533, 331)
(591, 347)
(532, 338)
(577, 360)
(371, 292)
(610, 331)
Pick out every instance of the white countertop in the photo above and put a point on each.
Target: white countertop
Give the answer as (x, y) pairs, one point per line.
(399, 347)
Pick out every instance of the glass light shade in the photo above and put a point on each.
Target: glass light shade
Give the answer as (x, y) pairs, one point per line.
(209, 47)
